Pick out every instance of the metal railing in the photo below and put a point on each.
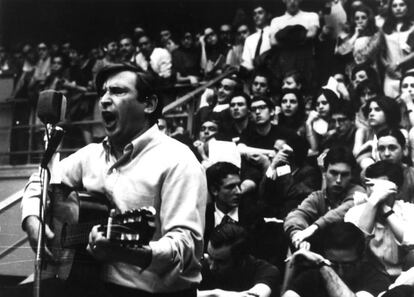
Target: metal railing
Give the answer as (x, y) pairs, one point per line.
(4, 206)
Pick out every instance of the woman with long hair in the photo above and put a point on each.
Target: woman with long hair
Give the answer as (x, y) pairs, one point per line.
(317, 123)
(381, 112)
(292, 111)
(398, 54)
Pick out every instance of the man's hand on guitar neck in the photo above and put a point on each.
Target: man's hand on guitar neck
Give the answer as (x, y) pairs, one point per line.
(31, 225)
(105, 250)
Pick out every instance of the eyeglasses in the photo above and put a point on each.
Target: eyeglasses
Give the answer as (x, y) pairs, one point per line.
(259, 108)
(209, 128)
(243, 32)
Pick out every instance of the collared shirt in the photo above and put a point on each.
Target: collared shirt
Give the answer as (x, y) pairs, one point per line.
(250, 45)
(304, 18)
(155, 170)
(160, 59)
(383, 243)
(219, 215)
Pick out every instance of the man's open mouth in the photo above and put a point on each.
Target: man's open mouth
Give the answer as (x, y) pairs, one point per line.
(109, 119)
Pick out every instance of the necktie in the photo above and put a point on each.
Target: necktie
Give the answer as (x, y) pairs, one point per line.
(226, 219)
(259, 45)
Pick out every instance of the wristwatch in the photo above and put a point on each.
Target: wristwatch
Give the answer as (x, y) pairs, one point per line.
(387, 214)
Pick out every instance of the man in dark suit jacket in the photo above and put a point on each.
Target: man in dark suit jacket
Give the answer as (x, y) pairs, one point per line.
(228, 205)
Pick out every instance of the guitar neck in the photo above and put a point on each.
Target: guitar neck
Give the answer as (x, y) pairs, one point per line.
(76, 235)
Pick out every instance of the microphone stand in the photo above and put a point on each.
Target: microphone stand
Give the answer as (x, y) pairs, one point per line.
(51, 144)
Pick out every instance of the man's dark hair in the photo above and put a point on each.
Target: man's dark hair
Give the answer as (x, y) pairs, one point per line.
(339, 154)
(390, 108)
(219, 171)
(343, 236)
(238, 87)
(125, 36)
(266, 100)
(244, 95)
(233, 235)
(394, 132)
(392, 171)
(297, 76)
(146, 85)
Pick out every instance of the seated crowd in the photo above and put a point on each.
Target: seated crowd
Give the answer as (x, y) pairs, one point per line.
(315, 196)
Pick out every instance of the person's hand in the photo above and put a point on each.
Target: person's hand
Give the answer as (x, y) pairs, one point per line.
(99, 246)
(300, 236)
(407, 98)
(381, 190)
(259, 159)
(313, 115)
(279, 159)
(343, 91)
(309, 259)
(31, 226)
(405, 278)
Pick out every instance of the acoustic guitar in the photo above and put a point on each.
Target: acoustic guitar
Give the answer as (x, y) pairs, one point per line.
(72, 216)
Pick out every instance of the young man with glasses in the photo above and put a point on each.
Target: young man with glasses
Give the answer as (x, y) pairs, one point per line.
(343, 132)
(260, 134)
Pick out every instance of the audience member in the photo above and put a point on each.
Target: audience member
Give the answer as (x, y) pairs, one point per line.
(127, 49)
(259, 42)
(328, 205)
(234, 56)
(154, 59)
(110, 49)
(186, 60)
(317, 123)
(340, 269)
(228, 204)
(398, 48)
(386, 220)
(392, 147)
(294, 33)
(292, 111)
(343, 132)
(381, 112)
(229, 270)
(236, 118)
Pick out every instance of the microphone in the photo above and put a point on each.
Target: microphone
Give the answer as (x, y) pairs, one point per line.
(51, 107)
(56, 136)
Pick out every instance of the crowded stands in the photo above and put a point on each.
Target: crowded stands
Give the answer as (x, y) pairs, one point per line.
(307, 140)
